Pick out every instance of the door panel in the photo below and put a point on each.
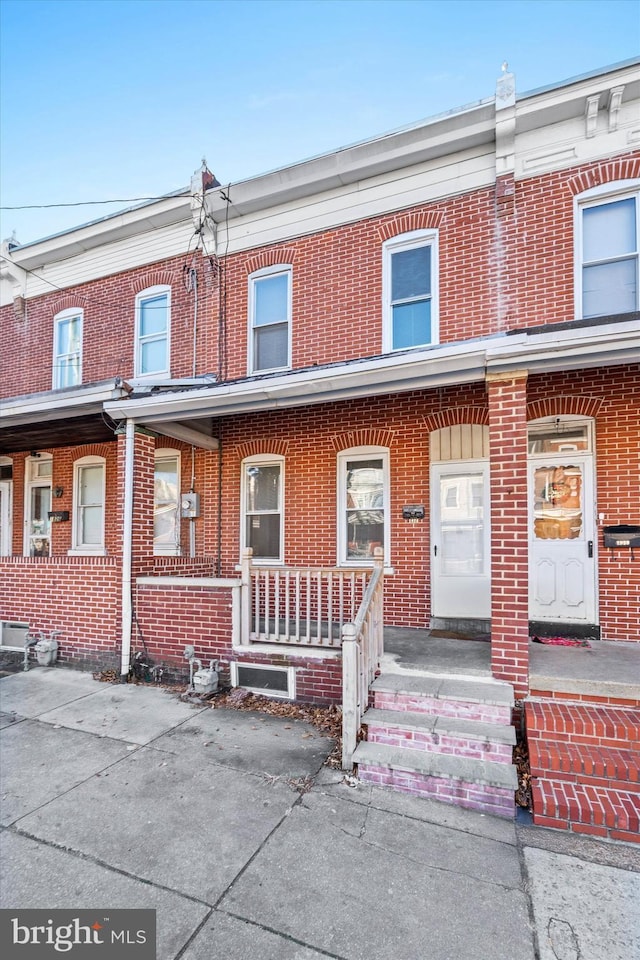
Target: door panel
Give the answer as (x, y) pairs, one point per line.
(561, 532)
(460, 568)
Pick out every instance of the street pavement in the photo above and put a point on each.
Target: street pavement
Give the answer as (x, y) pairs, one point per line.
(228, 824)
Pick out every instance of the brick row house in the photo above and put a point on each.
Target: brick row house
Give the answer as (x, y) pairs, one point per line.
(418, 355)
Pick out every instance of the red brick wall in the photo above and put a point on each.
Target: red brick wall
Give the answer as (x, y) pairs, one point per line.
(169, 617)
(80, 596)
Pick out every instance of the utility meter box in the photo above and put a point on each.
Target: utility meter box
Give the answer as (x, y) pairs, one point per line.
(205, 680)
(189, 506)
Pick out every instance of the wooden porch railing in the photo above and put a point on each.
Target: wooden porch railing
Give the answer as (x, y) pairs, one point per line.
(300, 606)
(362, 648)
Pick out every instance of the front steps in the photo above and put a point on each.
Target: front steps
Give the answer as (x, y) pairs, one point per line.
(585, 767)
(445, 738)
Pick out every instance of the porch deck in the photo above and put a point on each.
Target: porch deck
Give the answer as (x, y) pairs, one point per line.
(605, 669)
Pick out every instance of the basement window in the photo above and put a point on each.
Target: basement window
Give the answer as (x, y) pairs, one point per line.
(265, 679)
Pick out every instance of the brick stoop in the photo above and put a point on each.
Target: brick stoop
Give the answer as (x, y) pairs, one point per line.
(445, 738)
(585, 767)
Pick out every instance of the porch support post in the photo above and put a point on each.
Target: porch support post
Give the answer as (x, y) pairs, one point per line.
(507, 397)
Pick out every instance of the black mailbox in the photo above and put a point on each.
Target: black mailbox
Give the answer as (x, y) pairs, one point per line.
(413, 511)
(623, 535)
(57, 516)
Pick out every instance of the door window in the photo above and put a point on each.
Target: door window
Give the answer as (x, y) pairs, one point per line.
(557, 501)
(38, 501)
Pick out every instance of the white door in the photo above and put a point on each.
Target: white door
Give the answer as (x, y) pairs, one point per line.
(5, 518)
(460, 555)
(562, 568)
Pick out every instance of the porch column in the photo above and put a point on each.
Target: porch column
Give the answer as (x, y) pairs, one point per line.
(507, 396)
(135, 499)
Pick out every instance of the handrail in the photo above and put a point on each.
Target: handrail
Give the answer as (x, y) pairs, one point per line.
(362, 648)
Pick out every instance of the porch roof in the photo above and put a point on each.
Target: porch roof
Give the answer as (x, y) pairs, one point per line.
(614, 342)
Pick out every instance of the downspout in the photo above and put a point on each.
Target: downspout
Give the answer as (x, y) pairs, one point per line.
(127, 547)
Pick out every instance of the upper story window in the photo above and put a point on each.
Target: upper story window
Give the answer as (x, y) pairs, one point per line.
(67, 349)
(153, 321)
(88, 505)
(608, 250)
(270, 319)
(166, 514)
(410, 290)
(363, 505)
(262, 499)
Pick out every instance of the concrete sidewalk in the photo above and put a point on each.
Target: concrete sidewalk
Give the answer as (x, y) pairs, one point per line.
(228, 825)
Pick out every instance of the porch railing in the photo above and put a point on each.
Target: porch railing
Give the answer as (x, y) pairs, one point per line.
(362, 648)
(301, 606)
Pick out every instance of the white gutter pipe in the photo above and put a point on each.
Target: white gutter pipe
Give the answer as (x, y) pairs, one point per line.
(127, 536)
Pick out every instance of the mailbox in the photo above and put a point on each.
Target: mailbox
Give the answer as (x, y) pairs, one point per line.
(413, 511)
(622, 535)
(58, 516)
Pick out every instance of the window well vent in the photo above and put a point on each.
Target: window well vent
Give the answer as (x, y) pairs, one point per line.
(265, 679)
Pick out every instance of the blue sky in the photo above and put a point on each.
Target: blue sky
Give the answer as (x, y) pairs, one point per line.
(122, 98)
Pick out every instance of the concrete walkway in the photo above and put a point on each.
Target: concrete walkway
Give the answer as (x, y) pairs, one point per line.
(227, 824)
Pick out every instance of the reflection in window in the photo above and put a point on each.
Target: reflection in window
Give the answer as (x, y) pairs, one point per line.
(262, 510)
(462, 552)
(557, 511)
(166, 525)
(365, 507)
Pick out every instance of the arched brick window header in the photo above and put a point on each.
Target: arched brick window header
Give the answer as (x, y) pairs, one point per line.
(260, 448)
(159, 278)
(67, 303)
(408, 222)
(362, 438)
(453, 416)
(270, 258)
(563, 406)
(624, 168)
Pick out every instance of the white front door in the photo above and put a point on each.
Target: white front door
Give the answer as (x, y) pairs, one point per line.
(460, 555)
(562, 566)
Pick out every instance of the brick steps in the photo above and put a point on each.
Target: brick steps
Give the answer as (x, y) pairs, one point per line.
(448, 739)
(587, 809)
(585, 767)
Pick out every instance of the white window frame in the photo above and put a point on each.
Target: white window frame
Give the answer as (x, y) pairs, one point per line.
(162, 290)
(6, 501)
(362, 453)
(78, 547)
(254, 279)
(262, 461)
(32, 479)
(288, 694)
(604, 193)
(65, 315)
(408, 241)
(174, 549)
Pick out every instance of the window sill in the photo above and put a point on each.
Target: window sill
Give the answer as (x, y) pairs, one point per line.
(86, 552)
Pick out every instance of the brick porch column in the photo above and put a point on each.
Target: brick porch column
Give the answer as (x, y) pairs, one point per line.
(507, 395)
(143, 470)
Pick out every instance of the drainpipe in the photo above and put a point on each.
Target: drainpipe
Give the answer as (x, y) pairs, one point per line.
(127, 536)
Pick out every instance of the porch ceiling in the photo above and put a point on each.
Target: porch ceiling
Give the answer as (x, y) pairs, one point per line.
(54, 433)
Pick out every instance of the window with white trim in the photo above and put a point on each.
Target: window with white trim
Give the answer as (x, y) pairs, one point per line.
(363, 505)
(67, 349)
(166, 503)
(37, 497)
(607, 260)
(153, 323)
(270, 319)
(88, 505)
(410, 290)
(262, 513)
